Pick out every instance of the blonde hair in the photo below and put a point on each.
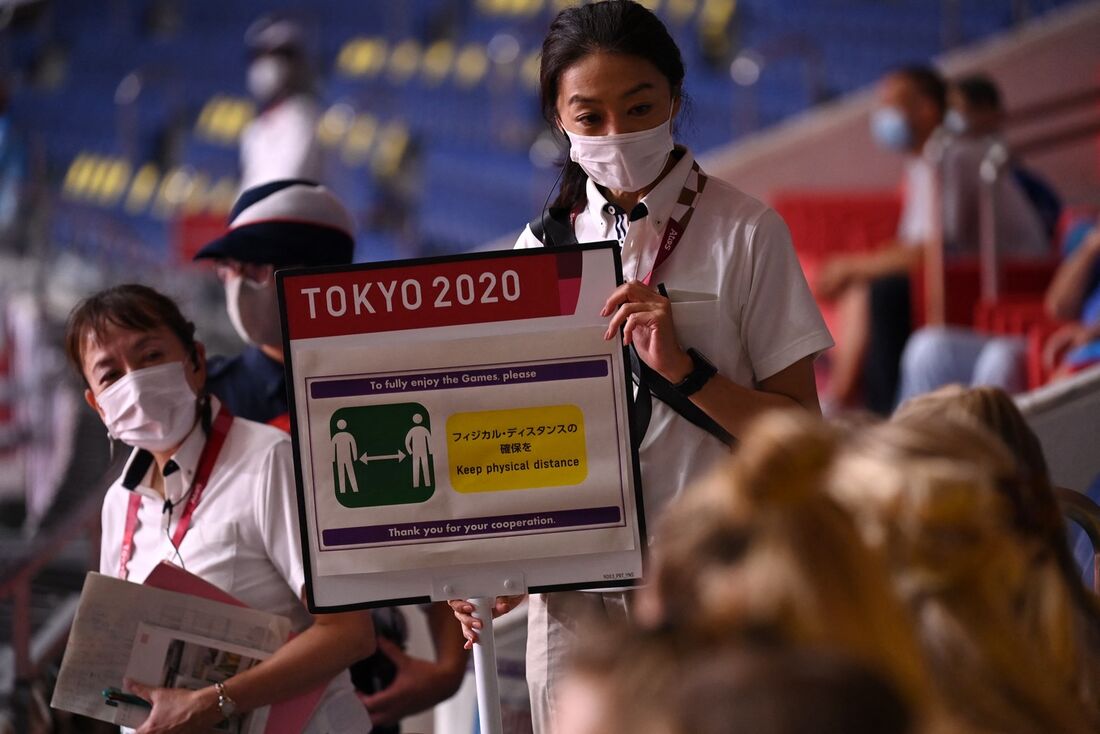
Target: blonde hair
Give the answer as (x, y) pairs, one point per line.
(758, 548)
(994, 410)
(929, 494)
(1057, 609)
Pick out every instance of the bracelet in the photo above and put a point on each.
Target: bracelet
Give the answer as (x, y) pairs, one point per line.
(227, 707)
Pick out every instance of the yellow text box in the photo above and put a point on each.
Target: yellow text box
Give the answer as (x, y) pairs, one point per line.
(521, 448)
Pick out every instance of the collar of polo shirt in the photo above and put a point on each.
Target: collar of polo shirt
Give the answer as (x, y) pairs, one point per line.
(180, 470)
(660, 201)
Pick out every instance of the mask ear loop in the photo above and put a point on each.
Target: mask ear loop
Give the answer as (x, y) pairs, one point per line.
(676, 95)
(671, 111)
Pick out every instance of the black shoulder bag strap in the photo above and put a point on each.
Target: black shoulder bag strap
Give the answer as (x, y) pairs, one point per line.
(553, 229)
(650, 385)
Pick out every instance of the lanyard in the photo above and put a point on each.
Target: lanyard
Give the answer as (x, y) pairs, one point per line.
(210, 450)
(682, 212)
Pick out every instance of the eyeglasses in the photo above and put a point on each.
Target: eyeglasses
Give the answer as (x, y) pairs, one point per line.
(228, 269)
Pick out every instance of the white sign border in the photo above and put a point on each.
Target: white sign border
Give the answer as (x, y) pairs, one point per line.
(607, 570)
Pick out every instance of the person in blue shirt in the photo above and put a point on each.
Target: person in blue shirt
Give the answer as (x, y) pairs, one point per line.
(256, 382)
(281, 224)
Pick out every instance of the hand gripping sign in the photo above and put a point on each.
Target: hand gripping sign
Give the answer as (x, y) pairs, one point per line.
(459, 423)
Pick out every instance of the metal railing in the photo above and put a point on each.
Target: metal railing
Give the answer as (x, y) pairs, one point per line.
(1086, 513)
(80, 524)
(998, 157)
(40, 576)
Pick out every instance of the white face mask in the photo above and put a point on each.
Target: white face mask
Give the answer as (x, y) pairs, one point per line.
(625, 162)
(151, 408)
(955, 123)
(267, 76)
(253, 310)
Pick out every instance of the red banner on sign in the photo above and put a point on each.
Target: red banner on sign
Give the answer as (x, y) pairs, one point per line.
(439, 293)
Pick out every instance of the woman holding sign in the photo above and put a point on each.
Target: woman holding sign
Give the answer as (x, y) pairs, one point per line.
(215, 495)
(716, 310)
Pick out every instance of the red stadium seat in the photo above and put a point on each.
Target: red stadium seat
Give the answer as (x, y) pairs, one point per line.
(1015, 314)
(1020, 315)
(827, 223)
(962, 286)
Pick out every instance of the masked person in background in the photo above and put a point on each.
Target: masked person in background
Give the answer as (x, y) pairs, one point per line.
(976, 112)
(941, 186)
(717, 312)
(213, 493)
(281, 141)
(280, 224)
(296, 223)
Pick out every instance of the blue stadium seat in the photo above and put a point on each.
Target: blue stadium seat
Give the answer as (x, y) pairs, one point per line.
(479, 183)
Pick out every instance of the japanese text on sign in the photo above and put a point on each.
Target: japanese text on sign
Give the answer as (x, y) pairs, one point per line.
(553, 451)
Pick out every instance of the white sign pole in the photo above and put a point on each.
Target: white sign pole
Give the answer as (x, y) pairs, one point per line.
(485, 669)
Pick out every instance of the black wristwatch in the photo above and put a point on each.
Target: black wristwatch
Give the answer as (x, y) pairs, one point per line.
(701, 371)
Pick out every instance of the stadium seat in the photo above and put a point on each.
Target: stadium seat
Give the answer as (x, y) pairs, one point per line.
(962, 286)
(395, 65)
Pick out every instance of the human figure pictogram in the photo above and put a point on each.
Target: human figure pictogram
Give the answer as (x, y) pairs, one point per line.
(346, 452)
(417, 445)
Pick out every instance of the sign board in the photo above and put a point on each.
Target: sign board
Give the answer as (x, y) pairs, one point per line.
(461, 417)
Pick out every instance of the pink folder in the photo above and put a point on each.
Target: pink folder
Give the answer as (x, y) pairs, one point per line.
(287, 717)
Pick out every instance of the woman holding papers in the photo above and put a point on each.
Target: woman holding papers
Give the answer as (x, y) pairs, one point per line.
(715, 308)
(213, 494)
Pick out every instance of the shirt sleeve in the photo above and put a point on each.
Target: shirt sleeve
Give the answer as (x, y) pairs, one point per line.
(780, 322)
(277, 516)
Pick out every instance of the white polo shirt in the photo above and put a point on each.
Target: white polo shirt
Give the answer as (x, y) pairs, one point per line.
(917, 222)
(739, 297)
(243, 536)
